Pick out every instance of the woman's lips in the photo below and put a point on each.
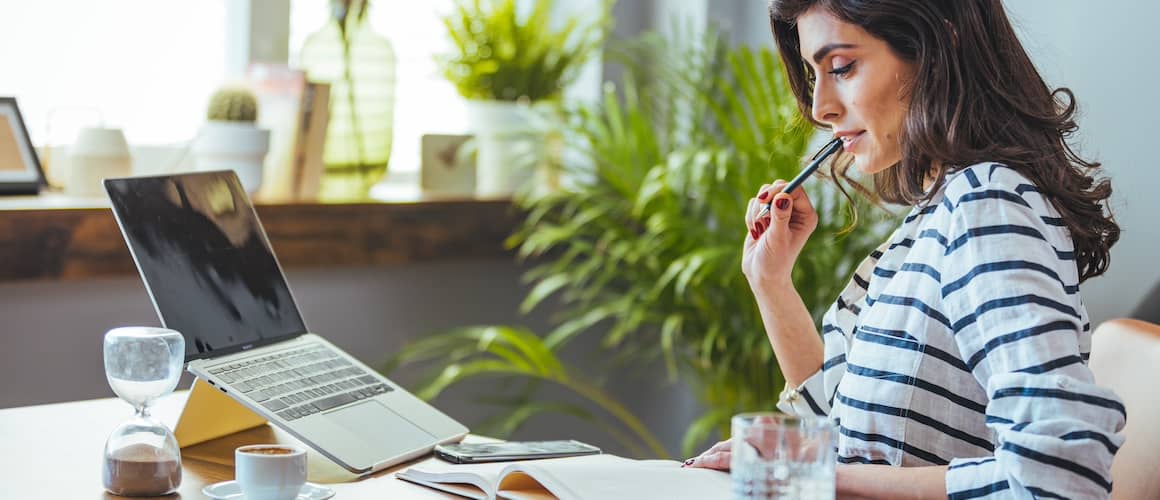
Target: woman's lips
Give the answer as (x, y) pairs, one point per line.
(849, 141)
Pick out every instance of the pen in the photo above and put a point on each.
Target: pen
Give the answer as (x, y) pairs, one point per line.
(829, 149)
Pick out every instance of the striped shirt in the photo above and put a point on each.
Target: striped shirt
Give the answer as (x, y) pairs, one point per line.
(963, 341)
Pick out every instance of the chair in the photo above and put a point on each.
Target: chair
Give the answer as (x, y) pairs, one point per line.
(1149, 308)
(1126, 358)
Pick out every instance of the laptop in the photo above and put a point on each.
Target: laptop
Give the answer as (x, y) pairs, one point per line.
(212, 275)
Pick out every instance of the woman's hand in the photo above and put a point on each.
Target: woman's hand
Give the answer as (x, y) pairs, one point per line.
(716, 457)
(774, 241)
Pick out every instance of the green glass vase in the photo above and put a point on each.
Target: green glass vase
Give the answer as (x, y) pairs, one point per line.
(359, 65)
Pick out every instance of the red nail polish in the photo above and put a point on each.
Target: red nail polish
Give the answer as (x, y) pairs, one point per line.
(753, 233)
(763, 195)
(782, 204)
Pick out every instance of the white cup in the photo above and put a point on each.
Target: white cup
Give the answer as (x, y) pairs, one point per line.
(265, 475)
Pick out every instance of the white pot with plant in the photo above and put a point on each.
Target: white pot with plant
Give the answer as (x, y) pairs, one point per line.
(230, 140)
(512, 69)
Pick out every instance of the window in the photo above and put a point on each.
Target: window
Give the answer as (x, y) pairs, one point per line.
(146, 66)
(424, 102)
(150, 66)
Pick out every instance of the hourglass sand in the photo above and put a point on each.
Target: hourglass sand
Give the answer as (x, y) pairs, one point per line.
(142, 457)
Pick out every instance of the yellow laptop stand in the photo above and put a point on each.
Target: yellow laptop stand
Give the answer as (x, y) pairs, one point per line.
(210, 414)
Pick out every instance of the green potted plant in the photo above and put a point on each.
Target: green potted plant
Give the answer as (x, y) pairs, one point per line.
(504, 64)
(230, 139)
(644, 247)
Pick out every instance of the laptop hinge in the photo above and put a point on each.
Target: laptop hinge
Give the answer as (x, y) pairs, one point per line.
(210, 414)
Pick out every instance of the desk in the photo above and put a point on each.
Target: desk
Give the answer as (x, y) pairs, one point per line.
(55, 451)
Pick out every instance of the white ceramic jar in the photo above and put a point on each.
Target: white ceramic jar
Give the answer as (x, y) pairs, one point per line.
(97, 154)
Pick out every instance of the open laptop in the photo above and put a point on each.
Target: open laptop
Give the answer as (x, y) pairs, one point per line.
(210, 271)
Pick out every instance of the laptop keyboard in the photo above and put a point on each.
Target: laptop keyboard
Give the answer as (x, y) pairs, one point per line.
(301, 382)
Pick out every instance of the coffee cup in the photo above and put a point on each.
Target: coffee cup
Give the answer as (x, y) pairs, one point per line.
(270, 471)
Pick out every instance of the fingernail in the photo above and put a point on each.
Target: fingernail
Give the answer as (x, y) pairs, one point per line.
(782, 204)
(763, 195)
(689, 461)
(753, 233)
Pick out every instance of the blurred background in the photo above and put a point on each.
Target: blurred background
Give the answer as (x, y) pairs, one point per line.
(643, 124)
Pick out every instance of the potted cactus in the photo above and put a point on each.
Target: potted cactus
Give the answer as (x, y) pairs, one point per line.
(230, 139)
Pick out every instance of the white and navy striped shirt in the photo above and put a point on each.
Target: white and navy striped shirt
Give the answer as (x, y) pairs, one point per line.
(963, 341)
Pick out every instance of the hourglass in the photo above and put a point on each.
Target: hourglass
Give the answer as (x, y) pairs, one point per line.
(141, 455)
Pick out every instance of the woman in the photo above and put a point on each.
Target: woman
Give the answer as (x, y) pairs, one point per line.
(955, 361)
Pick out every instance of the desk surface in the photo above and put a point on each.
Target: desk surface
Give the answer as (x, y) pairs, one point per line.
(55, 451)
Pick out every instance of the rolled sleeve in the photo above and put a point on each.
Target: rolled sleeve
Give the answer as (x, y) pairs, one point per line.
(807, 399)
(1055, 439)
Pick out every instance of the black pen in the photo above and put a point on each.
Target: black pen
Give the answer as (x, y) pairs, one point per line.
(829, 149)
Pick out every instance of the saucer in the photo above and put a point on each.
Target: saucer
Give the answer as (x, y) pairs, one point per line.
(230, 490)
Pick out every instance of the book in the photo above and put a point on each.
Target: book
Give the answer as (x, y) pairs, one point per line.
(307, 170)
(593, 476)
(280, 90)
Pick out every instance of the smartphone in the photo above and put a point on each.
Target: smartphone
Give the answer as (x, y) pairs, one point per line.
(473, 453)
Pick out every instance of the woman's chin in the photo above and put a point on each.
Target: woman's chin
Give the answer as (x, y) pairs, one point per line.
(863, 165)
(868, 165)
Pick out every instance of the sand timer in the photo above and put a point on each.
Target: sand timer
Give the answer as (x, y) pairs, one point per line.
(141, 455)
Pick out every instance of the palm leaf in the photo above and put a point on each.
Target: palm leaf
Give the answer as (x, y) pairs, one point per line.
(506, 352)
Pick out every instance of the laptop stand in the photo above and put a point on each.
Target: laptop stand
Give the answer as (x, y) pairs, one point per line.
(210, 414)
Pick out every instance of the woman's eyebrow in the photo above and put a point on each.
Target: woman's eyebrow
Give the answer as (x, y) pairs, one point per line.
(826, 49)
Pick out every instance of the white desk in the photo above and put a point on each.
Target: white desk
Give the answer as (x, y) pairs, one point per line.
(55, 451)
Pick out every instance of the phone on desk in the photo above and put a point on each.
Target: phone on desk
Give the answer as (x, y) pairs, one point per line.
(474, 453)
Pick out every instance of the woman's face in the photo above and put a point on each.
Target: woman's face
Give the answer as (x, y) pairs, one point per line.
(859, 88)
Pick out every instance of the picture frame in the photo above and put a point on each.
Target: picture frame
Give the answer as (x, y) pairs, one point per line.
(446, 166)
(20, 171)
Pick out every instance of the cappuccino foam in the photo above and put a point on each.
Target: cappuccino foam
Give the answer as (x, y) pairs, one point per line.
(271, 450)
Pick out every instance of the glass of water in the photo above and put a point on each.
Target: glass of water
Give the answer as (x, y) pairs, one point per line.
(782, 456)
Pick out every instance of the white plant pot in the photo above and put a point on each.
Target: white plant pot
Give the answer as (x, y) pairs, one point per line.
(236, 146)
(509, 138)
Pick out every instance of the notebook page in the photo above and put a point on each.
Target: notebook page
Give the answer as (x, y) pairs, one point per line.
(452, 478)
(520, 486)
(611, 477)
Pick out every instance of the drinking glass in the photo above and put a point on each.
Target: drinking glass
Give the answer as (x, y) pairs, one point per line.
(142, 457)
(782, 456)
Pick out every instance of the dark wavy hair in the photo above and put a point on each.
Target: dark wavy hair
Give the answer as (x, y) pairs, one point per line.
(976, 97)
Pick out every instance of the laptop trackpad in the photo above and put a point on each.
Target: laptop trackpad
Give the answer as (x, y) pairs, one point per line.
(379, 428)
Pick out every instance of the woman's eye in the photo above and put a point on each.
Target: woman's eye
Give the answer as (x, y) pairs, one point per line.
(842, 70)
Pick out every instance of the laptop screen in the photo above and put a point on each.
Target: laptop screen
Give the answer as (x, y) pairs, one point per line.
(205, 261)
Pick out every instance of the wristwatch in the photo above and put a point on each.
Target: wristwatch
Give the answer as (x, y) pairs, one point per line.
(789, 395)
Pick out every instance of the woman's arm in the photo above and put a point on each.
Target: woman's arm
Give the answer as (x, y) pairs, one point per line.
(871, 482)
(791, 332)
(769, 252)
(1010, 291)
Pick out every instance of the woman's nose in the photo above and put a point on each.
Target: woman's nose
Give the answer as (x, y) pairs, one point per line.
(826, 108)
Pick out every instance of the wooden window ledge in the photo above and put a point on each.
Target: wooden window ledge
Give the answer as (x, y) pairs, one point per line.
(54, 237)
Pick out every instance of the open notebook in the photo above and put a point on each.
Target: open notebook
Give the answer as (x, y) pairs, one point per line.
(593, 476)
